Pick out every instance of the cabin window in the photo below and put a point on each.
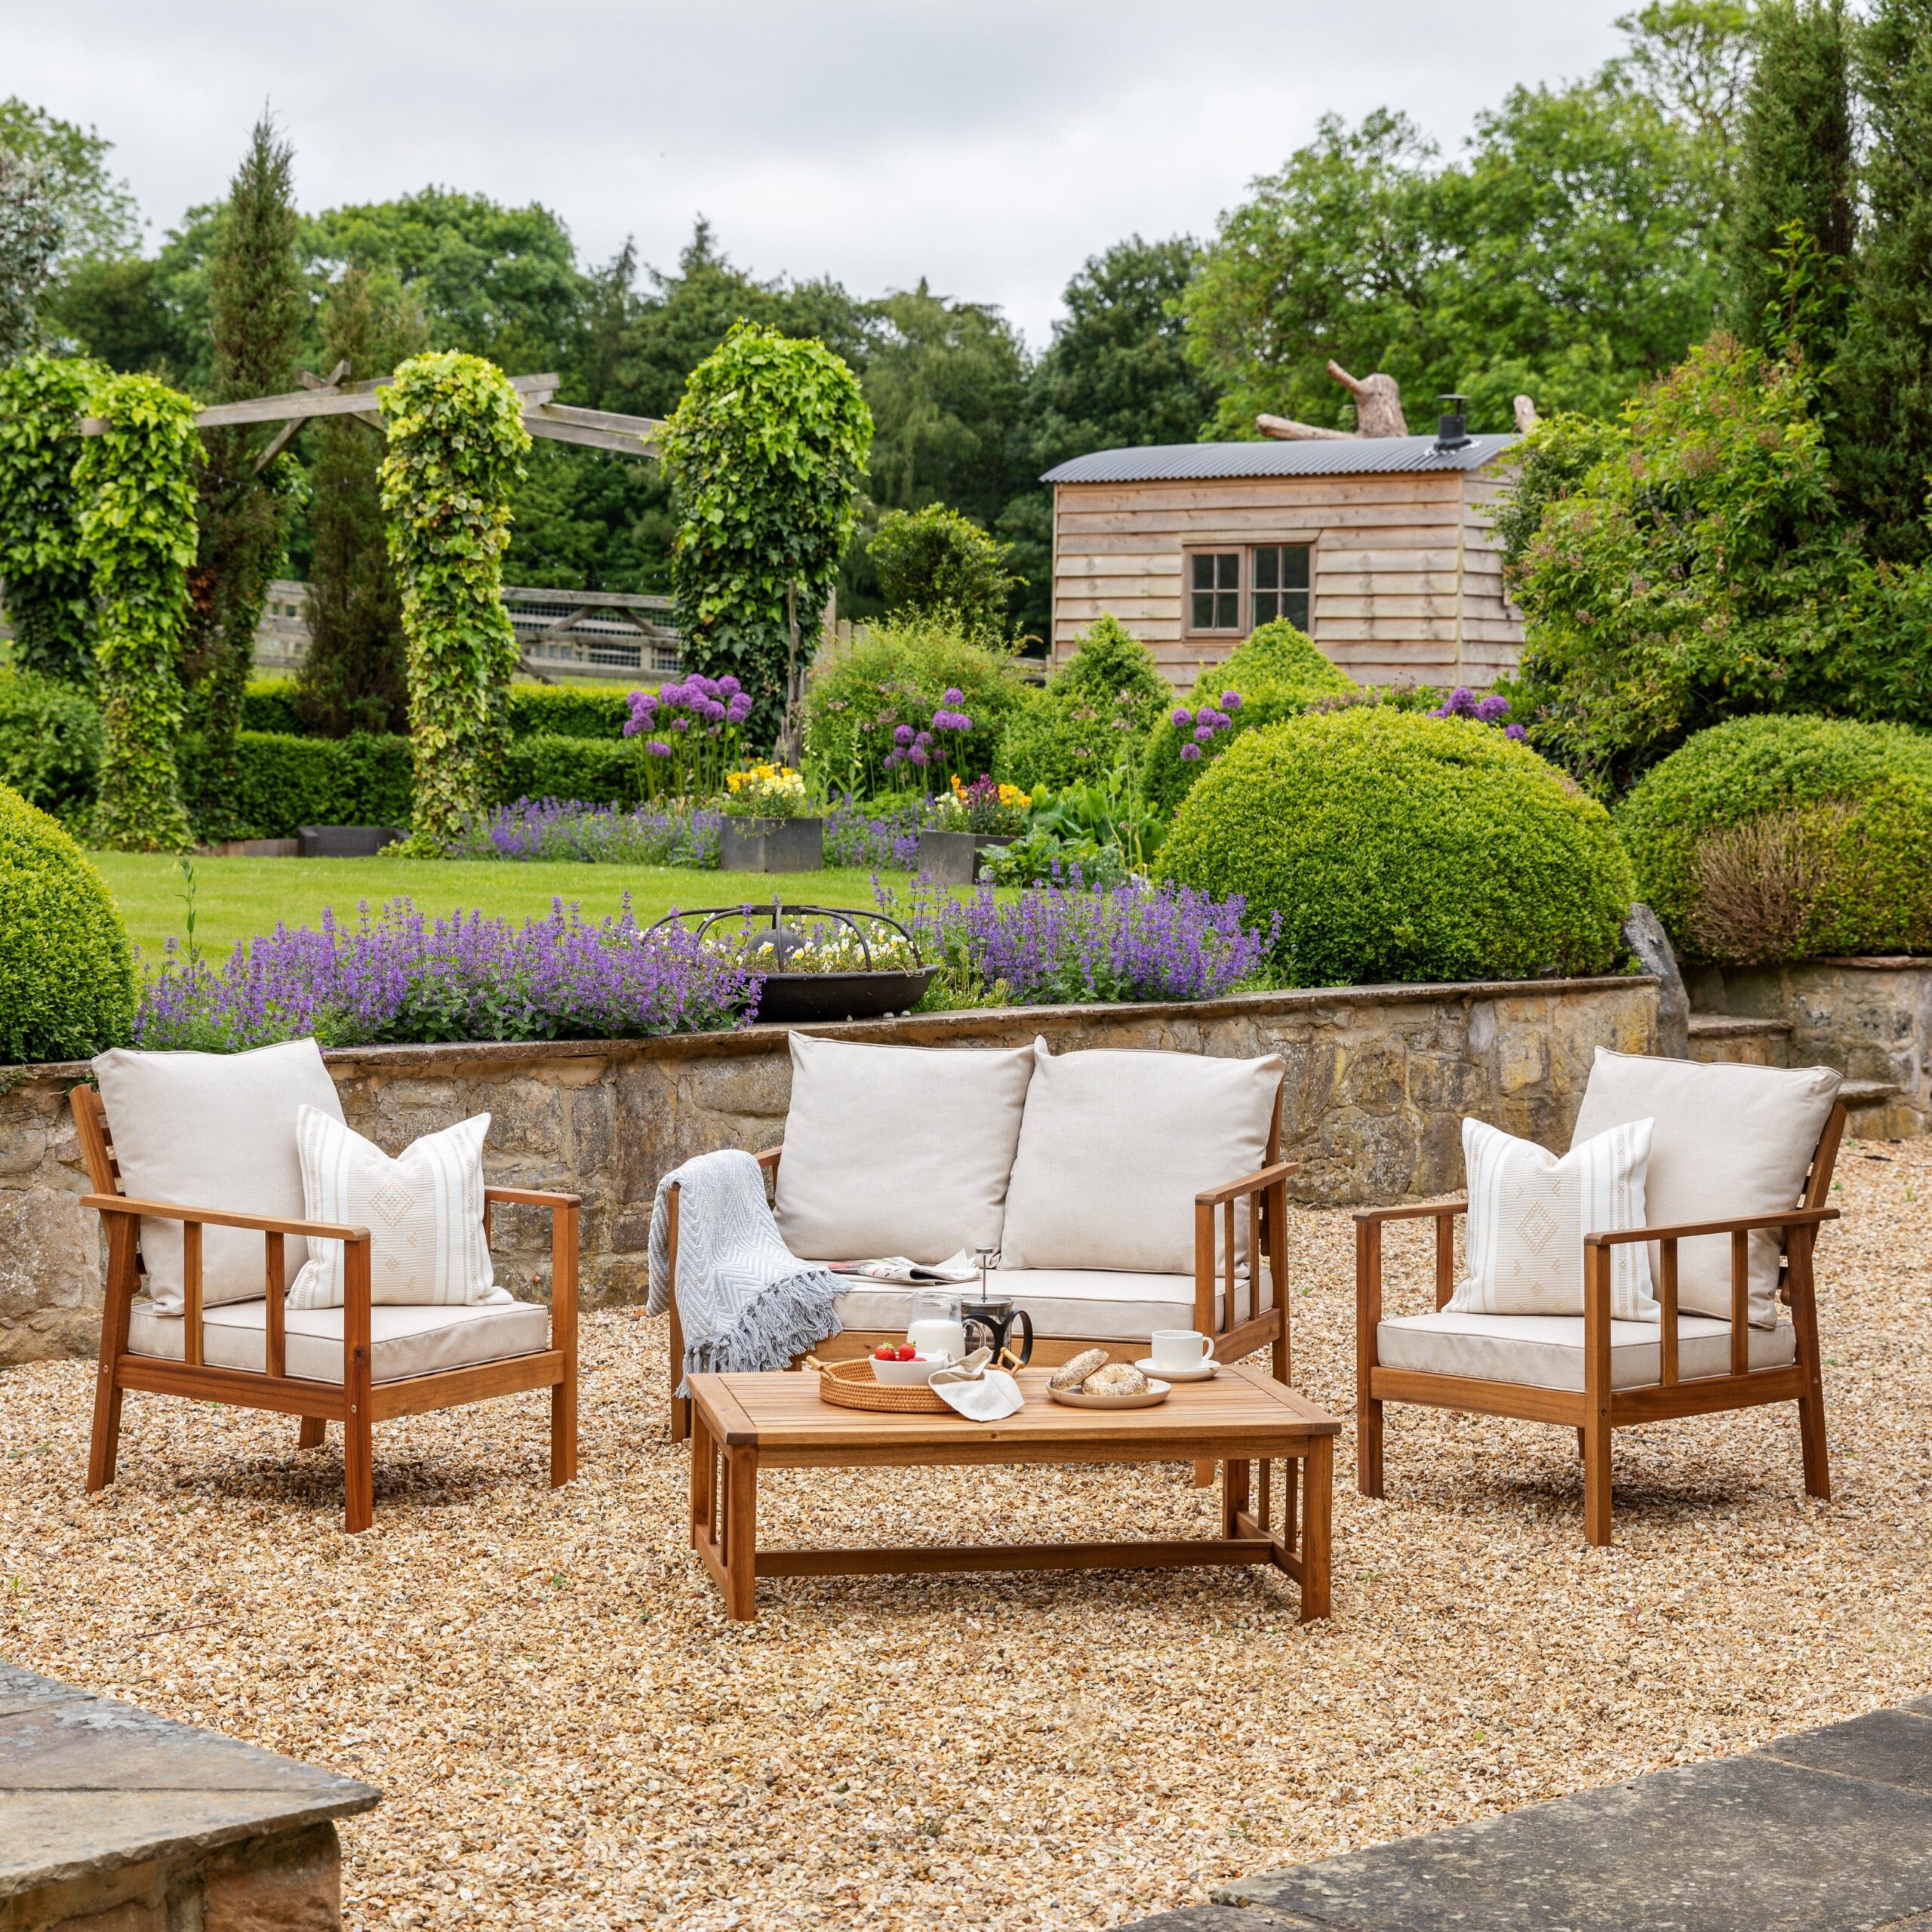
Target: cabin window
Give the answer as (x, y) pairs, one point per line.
(1214, 591)
(1280, 578)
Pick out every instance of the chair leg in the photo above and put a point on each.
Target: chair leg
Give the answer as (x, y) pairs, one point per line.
(1596, 1482)
(314, 1433)
(358, 1473)
(1368, 1446)
(1811, 1434)
(563, 1429)
(103, 1449)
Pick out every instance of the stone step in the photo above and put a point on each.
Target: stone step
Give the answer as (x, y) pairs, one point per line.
(1856, 1093)
(1721, 1037)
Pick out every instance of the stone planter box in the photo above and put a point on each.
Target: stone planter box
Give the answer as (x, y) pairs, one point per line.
(771, 845)
(258, 848)
(953, 858)
(345, 841)
(1379, 1079)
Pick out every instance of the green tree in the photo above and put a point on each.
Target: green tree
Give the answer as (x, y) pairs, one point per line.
(48, 581)
(456, 443)
(353, 678)
(935, 562)
(764, 453)
(30, 232)
(258, 306)
(99, 220)
(1883, 437)
(1797, 162)
(136, 486)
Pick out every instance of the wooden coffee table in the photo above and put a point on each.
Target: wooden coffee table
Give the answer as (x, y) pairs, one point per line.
(1243, 1417)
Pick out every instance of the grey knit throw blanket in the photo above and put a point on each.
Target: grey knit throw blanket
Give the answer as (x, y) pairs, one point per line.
(744, 1300)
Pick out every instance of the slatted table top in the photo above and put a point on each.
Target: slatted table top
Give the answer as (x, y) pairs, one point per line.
(783, 1411)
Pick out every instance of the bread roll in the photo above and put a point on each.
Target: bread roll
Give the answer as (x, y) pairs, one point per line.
(1075, 1372)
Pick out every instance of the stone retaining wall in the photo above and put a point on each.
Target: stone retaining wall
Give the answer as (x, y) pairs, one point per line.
(1871, 1017)
(1379, 1079)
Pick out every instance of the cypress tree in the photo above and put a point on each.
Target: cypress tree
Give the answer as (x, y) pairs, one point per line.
(1883, 434)
(1797, 164)
(353, 678)
(258, 304)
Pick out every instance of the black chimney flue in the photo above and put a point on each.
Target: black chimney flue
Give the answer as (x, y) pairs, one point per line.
(1450, 432)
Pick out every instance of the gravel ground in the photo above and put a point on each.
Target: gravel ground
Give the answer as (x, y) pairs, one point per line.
(570, 1734)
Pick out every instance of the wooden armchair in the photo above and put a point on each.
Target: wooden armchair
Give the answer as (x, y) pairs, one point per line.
(1605, 1402)
(1217, 1302)
(358, 1391)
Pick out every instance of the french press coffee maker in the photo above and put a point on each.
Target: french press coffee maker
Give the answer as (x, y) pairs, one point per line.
(997, 1325)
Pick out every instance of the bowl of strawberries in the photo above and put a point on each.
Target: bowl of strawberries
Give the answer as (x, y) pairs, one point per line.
(900, 1365)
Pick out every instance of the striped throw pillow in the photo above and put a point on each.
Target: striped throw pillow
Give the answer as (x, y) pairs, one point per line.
(424, 1212)
(1529, 1213)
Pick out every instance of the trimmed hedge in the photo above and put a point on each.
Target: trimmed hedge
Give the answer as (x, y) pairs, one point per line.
(1278, 672)
(1400, 847)
(50, 742)
(1841, 860)
(274, 704)
(67, 969)
(286, 781)
(592, 771)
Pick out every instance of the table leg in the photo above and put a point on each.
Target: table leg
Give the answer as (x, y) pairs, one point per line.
(740, 1534)
(704, 1473)
(1264, 1493)
(1318, 1507)
(1234, 1495)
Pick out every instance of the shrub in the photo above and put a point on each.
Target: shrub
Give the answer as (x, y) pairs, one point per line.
(936, 563)
(1788, 837)
(1399, 848)
(592, 771)
(898, 673)
(1276, 674)
(557, 711)
(274, 704)
(50, 742)
(283, 781)
(49, 579)
(1096, 710)
(66, 970)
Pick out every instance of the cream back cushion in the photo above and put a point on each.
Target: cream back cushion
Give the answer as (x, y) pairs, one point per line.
(1115, 1145)
(898, 1150)
(1529, 1212)
(1726, 1141)
(213, 1130)
(423, 1210)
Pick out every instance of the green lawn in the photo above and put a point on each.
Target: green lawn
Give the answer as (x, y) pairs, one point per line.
(235, 899)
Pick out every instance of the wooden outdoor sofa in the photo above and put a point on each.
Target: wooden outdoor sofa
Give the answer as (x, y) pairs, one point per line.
(1243, 1305)
(1685, 1366)
(357, 1378)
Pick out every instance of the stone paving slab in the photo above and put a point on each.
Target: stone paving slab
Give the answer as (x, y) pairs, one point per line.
(1830, 1831)
(87, 1785)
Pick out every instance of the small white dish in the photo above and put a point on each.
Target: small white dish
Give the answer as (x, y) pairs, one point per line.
(1077, 1398)
(913, 1374)
(1206, 1372)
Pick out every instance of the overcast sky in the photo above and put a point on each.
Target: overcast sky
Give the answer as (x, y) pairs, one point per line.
(990, 145)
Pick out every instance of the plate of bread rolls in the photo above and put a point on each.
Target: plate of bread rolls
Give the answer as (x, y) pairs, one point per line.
(1091, 1381)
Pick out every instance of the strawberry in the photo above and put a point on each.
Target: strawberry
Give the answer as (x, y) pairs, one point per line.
(907, 1352)
(885, 1351)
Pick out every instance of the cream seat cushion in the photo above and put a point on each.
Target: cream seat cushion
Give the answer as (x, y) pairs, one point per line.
(1546, 1351)
(1115, 1145)
(1726, 1141)
(213, 1130)
(897, 1150)
(1105, 1306)
(404, 1341)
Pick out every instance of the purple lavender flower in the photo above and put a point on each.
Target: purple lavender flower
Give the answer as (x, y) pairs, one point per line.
(1190, 752)
(1183, 718)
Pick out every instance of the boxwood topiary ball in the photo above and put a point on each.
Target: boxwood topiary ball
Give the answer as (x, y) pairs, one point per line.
(66, 970)
(1398, 847)
(1785, 838)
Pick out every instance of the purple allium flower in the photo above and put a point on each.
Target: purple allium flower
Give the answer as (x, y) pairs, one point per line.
(680, 723)
(902, 734)
(924, 741)
(893, 758)
(919, 756)
(954, 695)
(728, 687)
(1515, 731)
(1183, 718)
(1203, 734)
(1231, 700)
(714, 711)
(658, 747)
(1190, 752)
(739, 710)
(1491, 709)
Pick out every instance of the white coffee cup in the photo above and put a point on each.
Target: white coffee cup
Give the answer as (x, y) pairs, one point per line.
(1181, 1350)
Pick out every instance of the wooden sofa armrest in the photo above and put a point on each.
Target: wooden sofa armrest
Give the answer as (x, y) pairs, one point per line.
(222, 1217)
(563, 1210)
(1266, 1193)
(769, 1159)
(1253, 1183)
(1369, 1224)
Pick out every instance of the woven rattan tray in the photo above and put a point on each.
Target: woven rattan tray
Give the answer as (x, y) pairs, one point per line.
(850, 1385)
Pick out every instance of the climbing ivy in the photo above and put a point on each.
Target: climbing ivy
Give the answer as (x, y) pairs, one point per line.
(49, 587)
(765, 454)
(455, 444)
(136, 487)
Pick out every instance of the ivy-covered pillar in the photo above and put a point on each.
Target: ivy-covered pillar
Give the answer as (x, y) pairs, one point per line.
(48, 586)
(455, 444)
(135, 483)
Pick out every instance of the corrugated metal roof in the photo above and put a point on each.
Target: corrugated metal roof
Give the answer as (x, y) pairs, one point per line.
(1174, 463)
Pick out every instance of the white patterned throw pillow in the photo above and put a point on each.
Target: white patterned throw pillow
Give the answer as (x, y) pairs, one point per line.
(1529, 1212)
(423, 1210)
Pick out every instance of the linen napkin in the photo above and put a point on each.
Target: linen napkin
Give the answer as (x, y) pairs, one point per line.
(979, 1393)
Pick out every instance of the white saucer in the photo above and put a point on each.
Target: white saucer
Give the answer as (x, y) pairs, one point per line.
(1205, 1373)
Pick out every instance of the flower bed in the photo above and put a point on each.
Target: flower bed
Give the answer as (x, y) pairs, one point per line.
(395, 977)
(561, 829)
